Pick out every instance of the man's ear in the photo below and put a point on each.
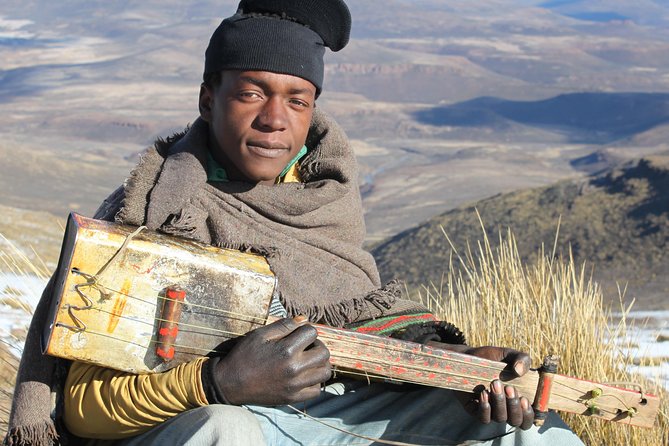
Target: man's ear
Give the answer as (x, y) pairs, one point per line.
(205, 103)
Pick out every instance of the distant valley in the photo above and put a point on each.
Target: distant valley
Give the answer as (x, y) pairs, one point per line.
(445, 103)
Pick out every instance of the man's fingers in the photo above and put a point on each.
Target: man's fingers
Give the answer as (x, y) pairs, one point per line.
(518, 361)
(484, 407)
(312, 377)
(498, 401)
(316, 356)
(306, 394)
(502, 404)
(513, 410)
(282, 328)
(299, 340)
(528, 414)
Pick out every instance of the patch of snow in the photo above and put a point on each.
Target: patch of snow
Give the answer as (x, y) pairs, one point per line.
(29, 288)
(650, 328)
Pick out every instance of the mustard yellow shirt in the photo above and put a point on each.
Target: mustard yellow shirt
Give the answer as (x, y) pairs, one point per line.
(107, 404)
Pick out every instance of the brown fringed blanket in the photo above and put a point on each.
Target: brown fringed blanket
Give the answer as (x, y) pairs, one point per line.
(311, 233)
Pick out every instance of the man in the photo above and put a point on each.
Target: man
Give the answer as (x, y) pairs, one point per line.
(263, 169)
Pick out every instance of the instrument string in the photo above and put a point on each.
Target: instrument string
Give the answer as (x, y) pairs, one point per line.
(225, 314)
(335, 338)
(327, 336)
(324, 333)
(151, 343)
(187, 349)
(253, 319)
(118, 253)
(214, 331)
(389, 442)
(115, 338)
(593, 399)
(184, 350)
(372, 375)
(330, 333)
(408, 367)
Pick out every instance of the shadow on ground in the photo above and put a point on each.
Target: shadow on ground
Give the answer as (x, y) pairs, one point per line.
(583, 118)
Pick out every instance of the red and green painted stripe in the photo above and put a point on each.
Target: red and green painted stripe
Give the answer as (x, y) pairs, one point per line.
(385, 326)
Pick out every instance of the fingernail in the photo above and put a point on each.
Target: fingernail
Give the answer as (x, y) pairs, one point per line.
(300, 318)
(519, 368)
(524, 403)
(484, 397)
(497, 386)
(510, 392)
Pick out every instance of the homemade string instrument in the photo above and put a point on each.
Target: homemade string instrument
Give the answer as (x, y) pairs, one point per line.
(142, 302)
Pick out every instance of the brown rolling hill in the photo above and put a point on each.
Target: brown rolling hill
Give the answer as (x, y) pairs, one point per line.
(616, 221)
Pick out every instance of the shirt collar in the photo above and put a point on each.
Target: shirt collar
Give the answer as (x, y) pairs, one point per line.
(216, 172)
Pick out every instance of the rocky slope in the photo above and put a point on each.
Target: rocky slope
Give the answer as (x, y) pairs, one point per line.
(616, 221)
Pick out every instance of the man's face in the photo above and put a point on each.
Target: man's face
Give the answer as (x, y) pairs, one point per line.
(258, 122)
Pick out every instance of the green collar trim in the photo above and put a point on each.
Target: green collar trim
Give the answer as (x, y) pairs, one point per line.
(216, 172)
(299, 156)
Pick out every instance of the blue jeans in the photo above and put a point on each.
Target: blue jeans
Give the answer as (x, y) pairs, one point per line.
(354, 413)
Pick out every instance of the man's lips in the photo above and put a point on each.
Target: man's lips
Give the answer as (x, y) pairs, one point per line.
(266, 149)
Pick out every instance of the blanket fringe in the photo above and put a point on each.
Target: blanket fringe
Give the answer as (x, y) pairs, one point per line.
(141, 188)
(187, 223)
(163, 145)
(245, 247)
(43, 434)
(375, 304)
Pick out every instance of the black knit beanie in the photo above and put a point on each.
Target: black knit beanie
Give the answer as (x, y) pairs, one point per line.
(281, 36)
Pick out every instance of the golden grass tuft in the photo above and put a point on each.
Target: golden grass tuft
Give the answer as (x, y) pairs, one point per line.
(549, 306)
(13, 262)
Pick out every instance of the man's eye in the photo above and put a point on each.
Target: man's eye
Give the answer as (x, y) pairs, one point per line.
(299, 102)
(249, 94)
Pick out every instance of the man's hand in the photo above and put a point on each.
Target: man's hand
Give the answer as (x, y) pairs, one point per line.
(500, 403)
(281, 363)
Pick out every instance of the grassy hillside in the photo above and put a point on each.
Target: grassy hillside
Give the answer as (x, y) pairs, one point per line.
(617, 221)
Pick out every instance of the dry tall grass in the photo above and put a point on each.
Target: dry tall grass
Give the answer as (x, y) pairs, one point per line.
(13, 262)
(546, 307)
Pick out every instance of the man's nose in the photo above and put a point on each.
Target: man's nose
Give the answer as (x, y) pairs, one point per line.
(273, 115)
